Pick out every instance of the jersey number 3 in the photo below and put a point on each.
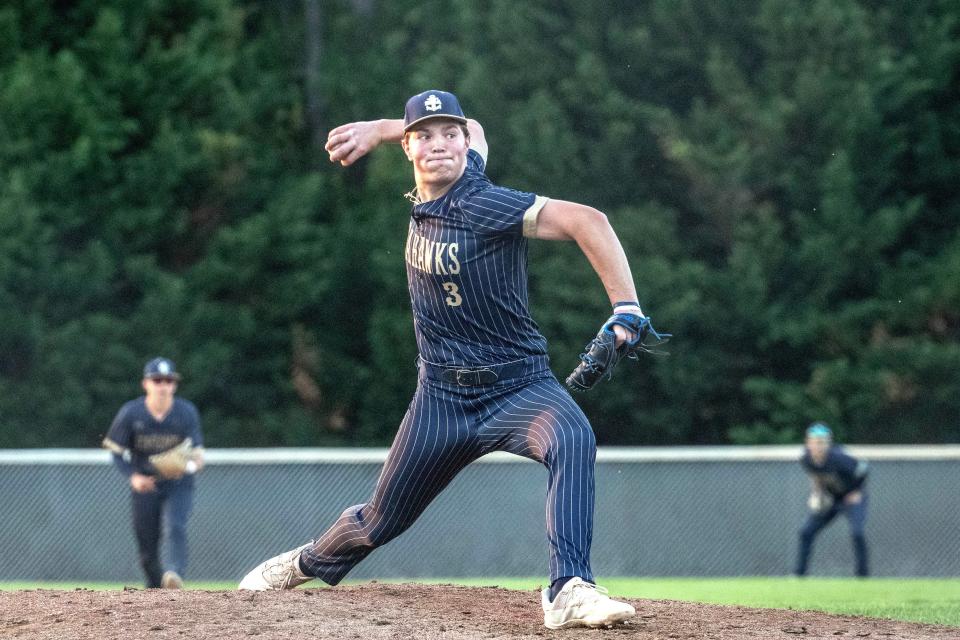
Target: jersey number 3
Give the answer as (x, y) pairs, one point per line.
(453, 295)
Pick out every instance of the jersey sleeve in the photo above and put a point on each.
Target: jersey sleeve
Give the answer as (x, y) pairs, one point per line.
(117, 439)
(493, 210)
(845, 463)
(856, 470)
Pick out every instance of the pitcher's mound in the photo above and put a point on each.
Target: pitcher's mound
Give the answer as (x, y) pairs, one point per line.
(379, 611)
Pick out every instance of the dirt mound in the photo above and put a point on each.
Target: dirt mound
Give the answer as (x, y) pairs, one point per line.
(375, 611)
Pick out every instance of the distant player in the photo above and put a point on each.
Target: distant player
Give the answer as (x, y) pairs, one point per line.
(837, 486)
(153, 424)
(484, 381)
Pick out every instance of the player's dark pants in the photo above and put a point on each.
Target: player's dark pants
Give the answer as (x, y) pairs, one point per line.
(856, 515)
(447, 427)
(171, 504)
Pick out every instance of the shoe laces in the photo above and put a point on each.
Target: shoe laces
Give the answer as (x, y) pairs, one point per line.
(286, 573)
(587, 592)
(288, 579)
(283, 567)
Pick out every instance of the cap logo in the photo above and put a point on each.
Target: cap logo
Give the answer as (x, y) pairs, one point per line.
(432, 103)
(163, 367)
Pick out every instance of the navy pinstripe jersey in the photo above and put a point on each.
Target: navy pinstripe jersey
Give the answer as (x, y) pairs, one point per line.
(134, 429)
(466, 258)
(839, 474)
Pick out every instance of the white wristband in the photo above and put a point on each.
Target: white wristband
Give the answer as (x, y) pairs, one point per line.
(632, 309)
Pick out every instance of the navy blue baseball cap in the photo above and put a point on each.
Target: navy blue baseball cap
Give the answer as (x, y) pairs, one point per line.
(432, 104)
(160, 368)
(819, 430)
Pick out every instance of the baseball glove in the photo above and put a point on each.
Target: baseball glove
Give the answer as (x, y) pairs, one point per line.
(819, 501)
(602, 354)
(173, 463)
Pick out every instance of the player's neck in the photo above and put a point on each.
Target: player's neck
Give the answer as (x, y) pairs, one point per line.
(427, 191)
(159, 407)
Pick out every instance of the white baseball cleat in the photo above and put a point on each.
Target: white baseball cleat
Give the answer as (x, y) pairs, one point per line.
(279, 572)
(582, 604)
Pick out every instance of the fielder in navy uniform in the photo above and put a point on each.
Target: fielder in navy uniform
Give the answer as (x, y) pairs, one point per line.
(837, 486)
(484, 382)
(151, 424)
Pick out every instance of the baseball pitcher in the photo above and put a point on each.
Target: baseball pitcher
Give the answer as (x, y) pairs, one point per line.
(484, 379)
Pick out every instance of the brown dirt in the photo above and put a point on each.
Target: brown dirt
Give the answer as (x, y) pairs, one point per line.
(380, 611)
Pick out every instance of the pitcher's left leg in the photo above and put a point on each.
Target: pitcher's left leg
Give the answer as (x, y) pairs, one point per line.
(541, 421)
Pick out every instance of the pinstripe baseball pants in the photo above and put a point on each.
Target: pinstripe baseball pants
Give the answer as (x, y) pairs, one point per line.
(447, 427)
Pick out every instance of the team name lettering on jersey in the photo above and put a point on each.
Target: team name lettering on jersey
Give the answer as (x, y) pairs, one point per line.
(432, 257)
(155, 442)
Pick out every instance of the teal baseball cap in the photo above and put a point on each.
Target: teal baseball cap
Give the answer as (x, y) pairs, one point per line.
(819, 430)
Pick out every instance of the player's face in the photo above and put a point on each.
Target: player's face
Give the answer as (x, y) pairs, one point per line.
(438, 150)
(818, 448)
(160, 388)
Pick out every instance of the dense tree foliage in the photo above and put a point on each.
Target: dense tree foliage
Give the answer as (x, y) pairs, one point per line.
(783, 176)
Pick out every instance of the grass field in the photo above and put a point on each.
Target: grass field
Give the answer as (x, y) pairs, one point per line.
(917, 599)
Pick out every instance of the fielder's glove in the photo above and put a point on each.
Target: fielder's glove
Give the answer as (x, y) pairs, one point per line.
(819, 501)
(602, 354)
(174, 462)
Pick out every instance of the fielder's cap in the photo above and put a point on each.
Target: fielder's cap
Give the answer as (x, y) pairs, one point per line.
(432, 104)
(819, 430)
(160, 368)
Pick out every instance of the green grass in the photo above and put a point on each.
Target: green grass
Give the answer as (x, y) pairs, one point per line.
(934, 601)
(920, 600)
(916, 599)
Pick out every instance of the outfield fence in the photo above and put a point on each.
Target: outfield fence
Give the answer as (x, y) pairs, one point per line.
(697, 511)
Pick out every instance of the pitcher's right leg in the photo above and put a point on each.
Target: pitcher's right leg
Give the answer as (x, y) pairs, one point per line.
(433, 444)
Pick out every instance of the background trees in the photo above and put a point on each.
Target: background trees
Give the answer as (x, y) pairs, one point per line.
(782, 176)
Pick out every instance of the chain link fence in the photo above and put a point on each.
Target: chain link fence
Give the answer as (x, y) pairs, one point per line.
(706, 511)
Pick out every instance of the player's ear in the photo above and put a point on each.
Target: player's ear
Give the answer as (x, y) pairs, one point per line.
(404, 142)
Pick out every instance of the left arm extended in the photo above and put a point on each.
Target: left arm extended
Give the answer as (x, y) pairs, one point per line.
(625, 331)
(562, 220)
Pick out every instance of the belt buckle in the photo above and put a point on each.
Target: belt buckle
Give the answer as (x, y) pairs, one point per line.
(473, 377)
(468, 382)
